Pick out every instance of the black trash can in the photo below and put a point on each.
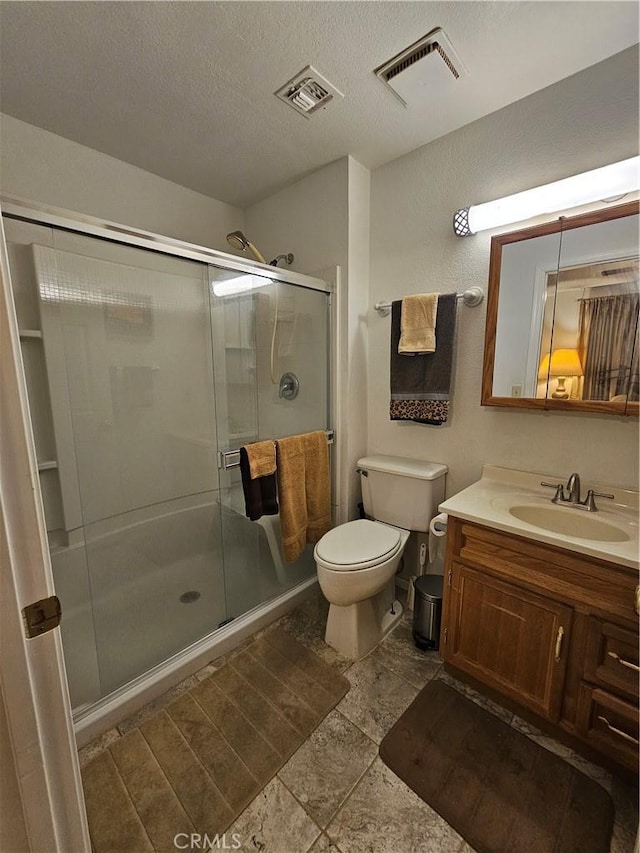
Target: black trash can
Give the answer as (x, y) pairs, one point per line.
(427, 612)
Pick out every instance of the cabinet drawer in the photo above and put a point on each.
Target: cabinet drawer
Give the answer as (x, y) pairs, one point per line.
(609, 724)
(611, 658)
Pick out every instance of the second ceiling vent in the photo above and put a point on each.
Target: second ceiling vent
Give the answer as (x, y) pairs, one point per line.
(424, 67)
(308, 92)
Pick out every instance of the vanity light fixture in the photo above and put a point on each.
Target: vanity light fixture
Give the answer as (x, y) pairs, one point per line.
(563, 364)
(608, 182)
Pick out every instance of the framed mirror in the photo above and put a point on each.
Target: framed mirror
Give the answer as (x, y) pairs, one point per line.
(562, 315)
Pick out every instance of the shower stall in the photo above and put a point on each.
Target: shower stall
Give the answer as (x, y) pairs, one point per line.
(149, 362)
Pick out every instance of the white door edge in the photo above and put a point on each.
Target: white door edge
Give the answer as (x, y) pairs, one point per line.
(32, 670)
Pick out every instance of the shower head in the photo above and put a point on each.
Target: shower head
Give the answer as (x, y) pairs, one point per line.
(288, 259)
(237, 240)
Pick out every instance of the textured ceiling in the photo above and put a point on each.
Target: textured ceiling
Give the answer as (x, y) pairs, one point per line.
(185, 90)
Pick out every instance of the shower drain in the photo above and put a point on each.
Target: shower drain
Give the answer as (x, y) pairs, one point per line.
(190, 596)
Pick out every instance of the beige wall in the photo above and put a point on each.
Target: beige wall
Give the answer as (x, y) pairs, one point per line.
(41, 166)
(583, 122)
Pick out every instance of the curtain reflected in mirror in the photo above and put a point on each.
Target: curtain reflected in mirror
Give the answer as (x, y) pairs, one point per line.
(608, 346)
(589, 343)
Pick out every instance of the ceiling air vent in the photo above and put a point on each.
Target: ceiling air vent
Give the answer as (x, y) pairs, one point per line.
(426, 66)
(308, 92)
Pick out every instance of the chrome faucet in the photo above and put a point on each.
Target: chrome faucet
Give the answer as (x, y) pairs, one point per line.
(573, 494)
(573, 488)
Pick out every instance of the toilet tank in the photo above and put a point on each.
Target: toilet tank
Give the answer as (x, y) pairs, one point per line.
(402, 492)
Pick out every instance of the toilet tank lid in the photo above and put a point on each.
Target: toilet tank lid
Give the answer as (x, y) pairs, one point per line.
(419, 469)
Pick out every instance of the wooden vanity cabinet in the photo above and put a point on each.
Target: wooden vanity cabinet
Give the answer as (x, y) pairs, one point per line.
(554, 631)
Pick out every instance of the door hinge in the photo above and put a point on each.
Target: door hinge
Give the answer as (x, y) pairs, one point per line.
(444, 636)
(449, 578)
(41, 616)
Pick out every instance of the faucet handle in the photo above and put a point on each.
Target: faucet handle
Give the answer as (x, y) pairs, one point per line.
(589, 501)
(559, 495)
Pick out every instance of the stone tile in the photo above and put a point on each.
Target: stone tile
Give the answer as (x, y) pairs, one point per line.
(625, 799)
(88, 752)
(384, 815)
(377, 698)
(206, 671)
(311, 634)
(324, 845)
(484, 702)
(316, 608)
(274, 823)
(147, 711)
(621, 840)
(327, 766)
(399, 653)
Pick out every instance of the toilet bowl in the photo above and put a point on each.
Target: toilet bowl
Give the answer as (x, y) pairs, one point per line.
(357, 561)
(356, 564)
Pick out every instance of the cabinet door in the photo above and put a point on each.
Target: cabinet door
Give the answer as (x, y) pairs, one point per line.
(508, 638)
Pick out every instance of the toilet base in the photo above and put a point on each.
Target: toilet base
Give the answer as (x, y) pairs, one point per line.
(356, 629)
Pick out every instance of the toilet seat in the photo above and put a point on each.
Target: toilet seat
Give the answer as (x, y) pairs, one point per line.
(359, 544)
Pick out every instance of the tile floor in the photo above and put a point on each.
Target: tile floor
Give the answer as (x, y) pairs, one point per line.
(335, 795)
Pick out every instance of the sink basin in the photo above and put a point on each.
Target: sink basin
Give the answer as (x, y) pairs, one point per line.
(570, 522)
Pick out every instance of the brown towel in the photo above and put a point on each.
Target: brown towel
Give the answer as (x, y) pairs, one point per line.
(418, 324)
(303, 489)
(259, 492)
(262, 458)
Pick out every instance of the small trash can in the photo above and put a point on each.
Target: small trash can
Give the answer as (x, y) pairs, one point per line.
(427, 612)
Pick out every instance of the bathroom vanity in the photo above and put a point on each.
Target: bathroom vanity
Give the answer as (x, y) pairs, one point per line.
(546, 619)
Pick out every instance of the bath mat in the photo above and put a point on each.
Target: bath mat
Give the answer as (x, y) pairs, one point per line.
(500, 790)
(196, 764)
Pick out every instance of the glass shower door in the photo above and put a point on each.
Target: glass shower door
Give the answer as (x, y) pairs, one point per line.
(127, 340)
(271, 359)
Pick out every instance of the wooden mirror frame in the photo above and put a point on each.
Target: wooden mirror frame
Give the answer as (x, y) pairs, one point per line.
(544, 403)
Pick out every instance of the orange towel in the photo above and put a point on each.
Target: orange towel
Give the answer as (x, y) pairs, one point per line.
(303, 491)
(262, 458)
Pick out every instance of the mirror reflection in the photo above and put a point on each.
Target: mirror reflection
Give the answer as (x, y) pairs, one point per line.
(562, 315)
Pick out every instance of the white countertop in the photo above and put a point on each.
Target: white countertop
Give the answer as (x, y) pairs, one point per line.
(487, 502)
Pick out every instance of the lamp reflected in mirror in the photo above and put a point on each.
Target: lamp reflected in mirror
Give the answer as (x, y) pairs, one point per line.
(562, 365)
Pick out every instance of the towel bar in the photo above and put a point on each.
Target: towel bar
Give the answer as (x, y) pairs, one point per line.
(471, 297)
(231, 458)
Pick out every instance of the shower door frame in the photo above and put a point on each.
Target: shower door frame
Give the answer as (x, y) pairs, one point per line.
(43, 668)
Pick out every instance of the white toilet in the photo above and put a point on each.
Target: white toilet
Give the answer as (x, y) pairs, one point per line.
(357, 561)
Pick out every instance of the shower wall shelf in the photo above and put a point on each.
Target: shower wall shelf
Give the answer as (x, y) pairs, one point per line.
(471, 297)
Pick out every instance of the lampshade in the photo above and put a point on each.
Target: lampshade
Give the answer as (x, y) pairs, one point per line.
(564, 362)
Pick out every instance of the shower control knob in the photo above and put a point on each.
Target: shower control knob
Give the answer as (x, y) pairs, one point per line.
(289, 386)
